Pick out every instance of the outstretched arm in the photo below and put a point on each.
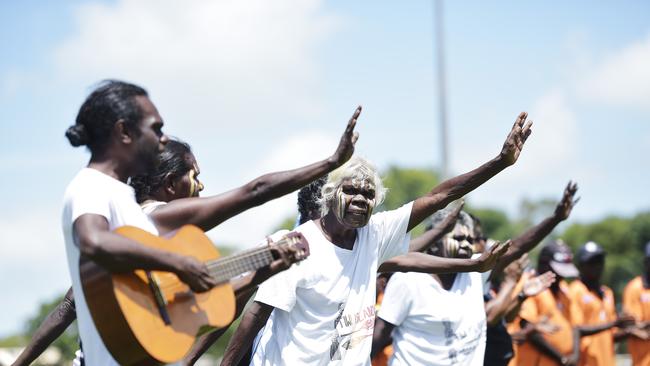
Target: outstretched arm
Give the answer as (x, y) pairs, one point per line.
(52, 327)
(533, 236)
(426, 263)
(455, 188)
(208, 212)
(254, 319)
(430, 237)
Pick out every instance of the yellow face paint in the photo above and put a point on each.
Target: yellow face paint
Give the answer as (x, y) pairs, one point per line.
(193, 184)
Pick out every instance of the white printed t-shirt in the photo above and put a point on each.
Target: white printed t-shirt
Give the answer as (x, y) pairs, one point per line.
(93, 192)
(325, 306)
(434, 326)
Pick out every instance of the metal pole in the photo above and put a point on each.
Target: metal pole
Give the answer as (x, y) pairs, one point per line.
(442, 102)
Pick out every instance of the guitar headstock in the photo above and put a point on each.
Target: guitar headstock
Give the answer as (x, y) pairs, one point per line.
(297, 241)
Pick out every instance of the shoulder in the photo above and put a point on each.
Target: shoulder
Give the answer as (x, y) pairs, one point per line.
(380, 217)
(634, 285)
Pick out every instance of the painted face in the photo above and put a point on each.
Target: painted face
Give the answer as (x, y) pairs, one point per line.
(458, 243)
(189, 184)
(150, 140)
(354, 203)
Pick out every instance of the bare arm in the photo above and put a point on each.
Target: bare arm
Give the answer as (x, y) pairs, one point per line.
(52, 327)
(455, 188)
(254, 319)
(120, 254)
(496, 308)
(430, 237)
(209, 212)
(420, 262)
(533, 236)
(538, 341)
(380, 336)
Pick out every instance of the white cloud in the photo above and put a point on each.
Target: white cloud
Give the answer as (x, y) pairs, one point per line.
(253, 225)
(243, 59)
(622, 79)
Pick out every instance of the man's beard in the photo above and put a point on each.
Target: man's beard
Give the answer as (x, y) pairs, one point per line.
(149, 161)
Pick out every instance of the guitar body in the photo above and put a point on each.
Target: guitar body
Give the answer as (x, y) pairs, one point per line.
(126, 311)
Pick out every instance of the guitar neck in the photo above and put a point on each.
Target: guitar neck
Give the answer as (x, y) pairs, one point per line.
(223, 269)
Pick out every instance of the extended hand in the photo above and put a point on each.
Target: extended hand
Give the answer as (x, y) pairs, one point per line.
(345, 149)
(490, 257)
(536, 285)
(284, 256)
(563, 209)
(195, 274)
(624, 320)
(516, 138)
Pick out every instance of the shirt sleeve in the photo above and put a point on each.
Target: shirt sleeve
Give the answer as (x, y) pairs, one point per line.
(279, 291)
(391, 231)
(632, 303)
(87, 201)
(529, 311)
(397, 301)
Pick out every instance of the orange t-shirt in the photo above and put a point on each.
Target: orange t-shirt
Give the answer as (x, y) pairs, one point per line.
(562, 312)
(514, 327)
(636, 302)
(597, 349)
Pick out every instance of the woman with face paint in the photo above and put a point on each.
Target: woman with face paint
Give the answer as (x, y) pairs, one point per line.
(323, 310)
(169, 195)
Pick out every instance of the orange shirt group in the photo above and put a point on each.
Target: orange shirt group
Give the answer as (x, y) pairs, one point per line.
(636, 302)
(576, 305)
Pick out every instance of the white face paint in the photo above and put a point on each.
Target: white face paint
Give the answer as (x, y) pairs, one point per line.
(458, 243)
(354, 203)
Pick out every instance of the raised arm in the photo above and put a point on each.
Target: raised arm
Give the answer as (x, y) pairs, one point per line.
(455, 188)
(426, 263)
(533, 236)
(430, 237)
(252, 322)
(208, 212)
(52, 327)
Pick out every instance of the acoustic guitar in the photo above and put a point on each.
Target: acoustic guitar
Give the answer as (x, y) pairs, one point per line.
(151, 317)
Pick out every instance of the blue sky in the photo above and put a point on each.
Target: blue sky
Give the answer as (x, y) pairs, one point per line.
(258, 86)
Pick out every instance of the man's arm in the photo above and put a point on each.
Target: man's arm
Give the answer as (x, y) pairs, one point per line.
(253, 320)
(622, 322)
(425, 263)
(117, 253)
(455, 188)
(208, 212)
(533, 236)
(430, 237)
(52, 327)
(381, 336)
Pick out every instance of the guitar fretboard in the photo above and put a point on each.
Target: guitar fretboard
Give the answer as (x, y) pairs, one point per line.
(223, 269)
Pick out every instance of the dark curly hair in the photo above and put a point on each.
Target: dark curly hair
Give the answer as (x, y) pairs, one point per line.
(111, 101)
(308, 198)
(172, 164)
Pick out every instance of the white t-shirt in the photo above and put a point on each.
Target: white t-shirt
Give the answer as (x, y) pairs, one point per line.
(93, 192)
(434, 326)
(325, 306)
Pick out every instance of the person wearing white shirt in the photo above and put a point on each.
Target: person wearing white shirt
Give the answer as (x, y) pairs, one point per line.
(322, 311)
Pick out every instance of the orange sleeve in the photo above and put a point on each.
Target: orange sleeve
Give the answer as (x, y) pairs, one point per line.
(529, 310)
(631, 303)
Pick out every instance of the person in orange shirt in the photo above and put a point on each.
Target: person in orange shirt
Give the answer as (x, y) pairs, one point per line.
(636, 302)
(555, 305)
(596, 302)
